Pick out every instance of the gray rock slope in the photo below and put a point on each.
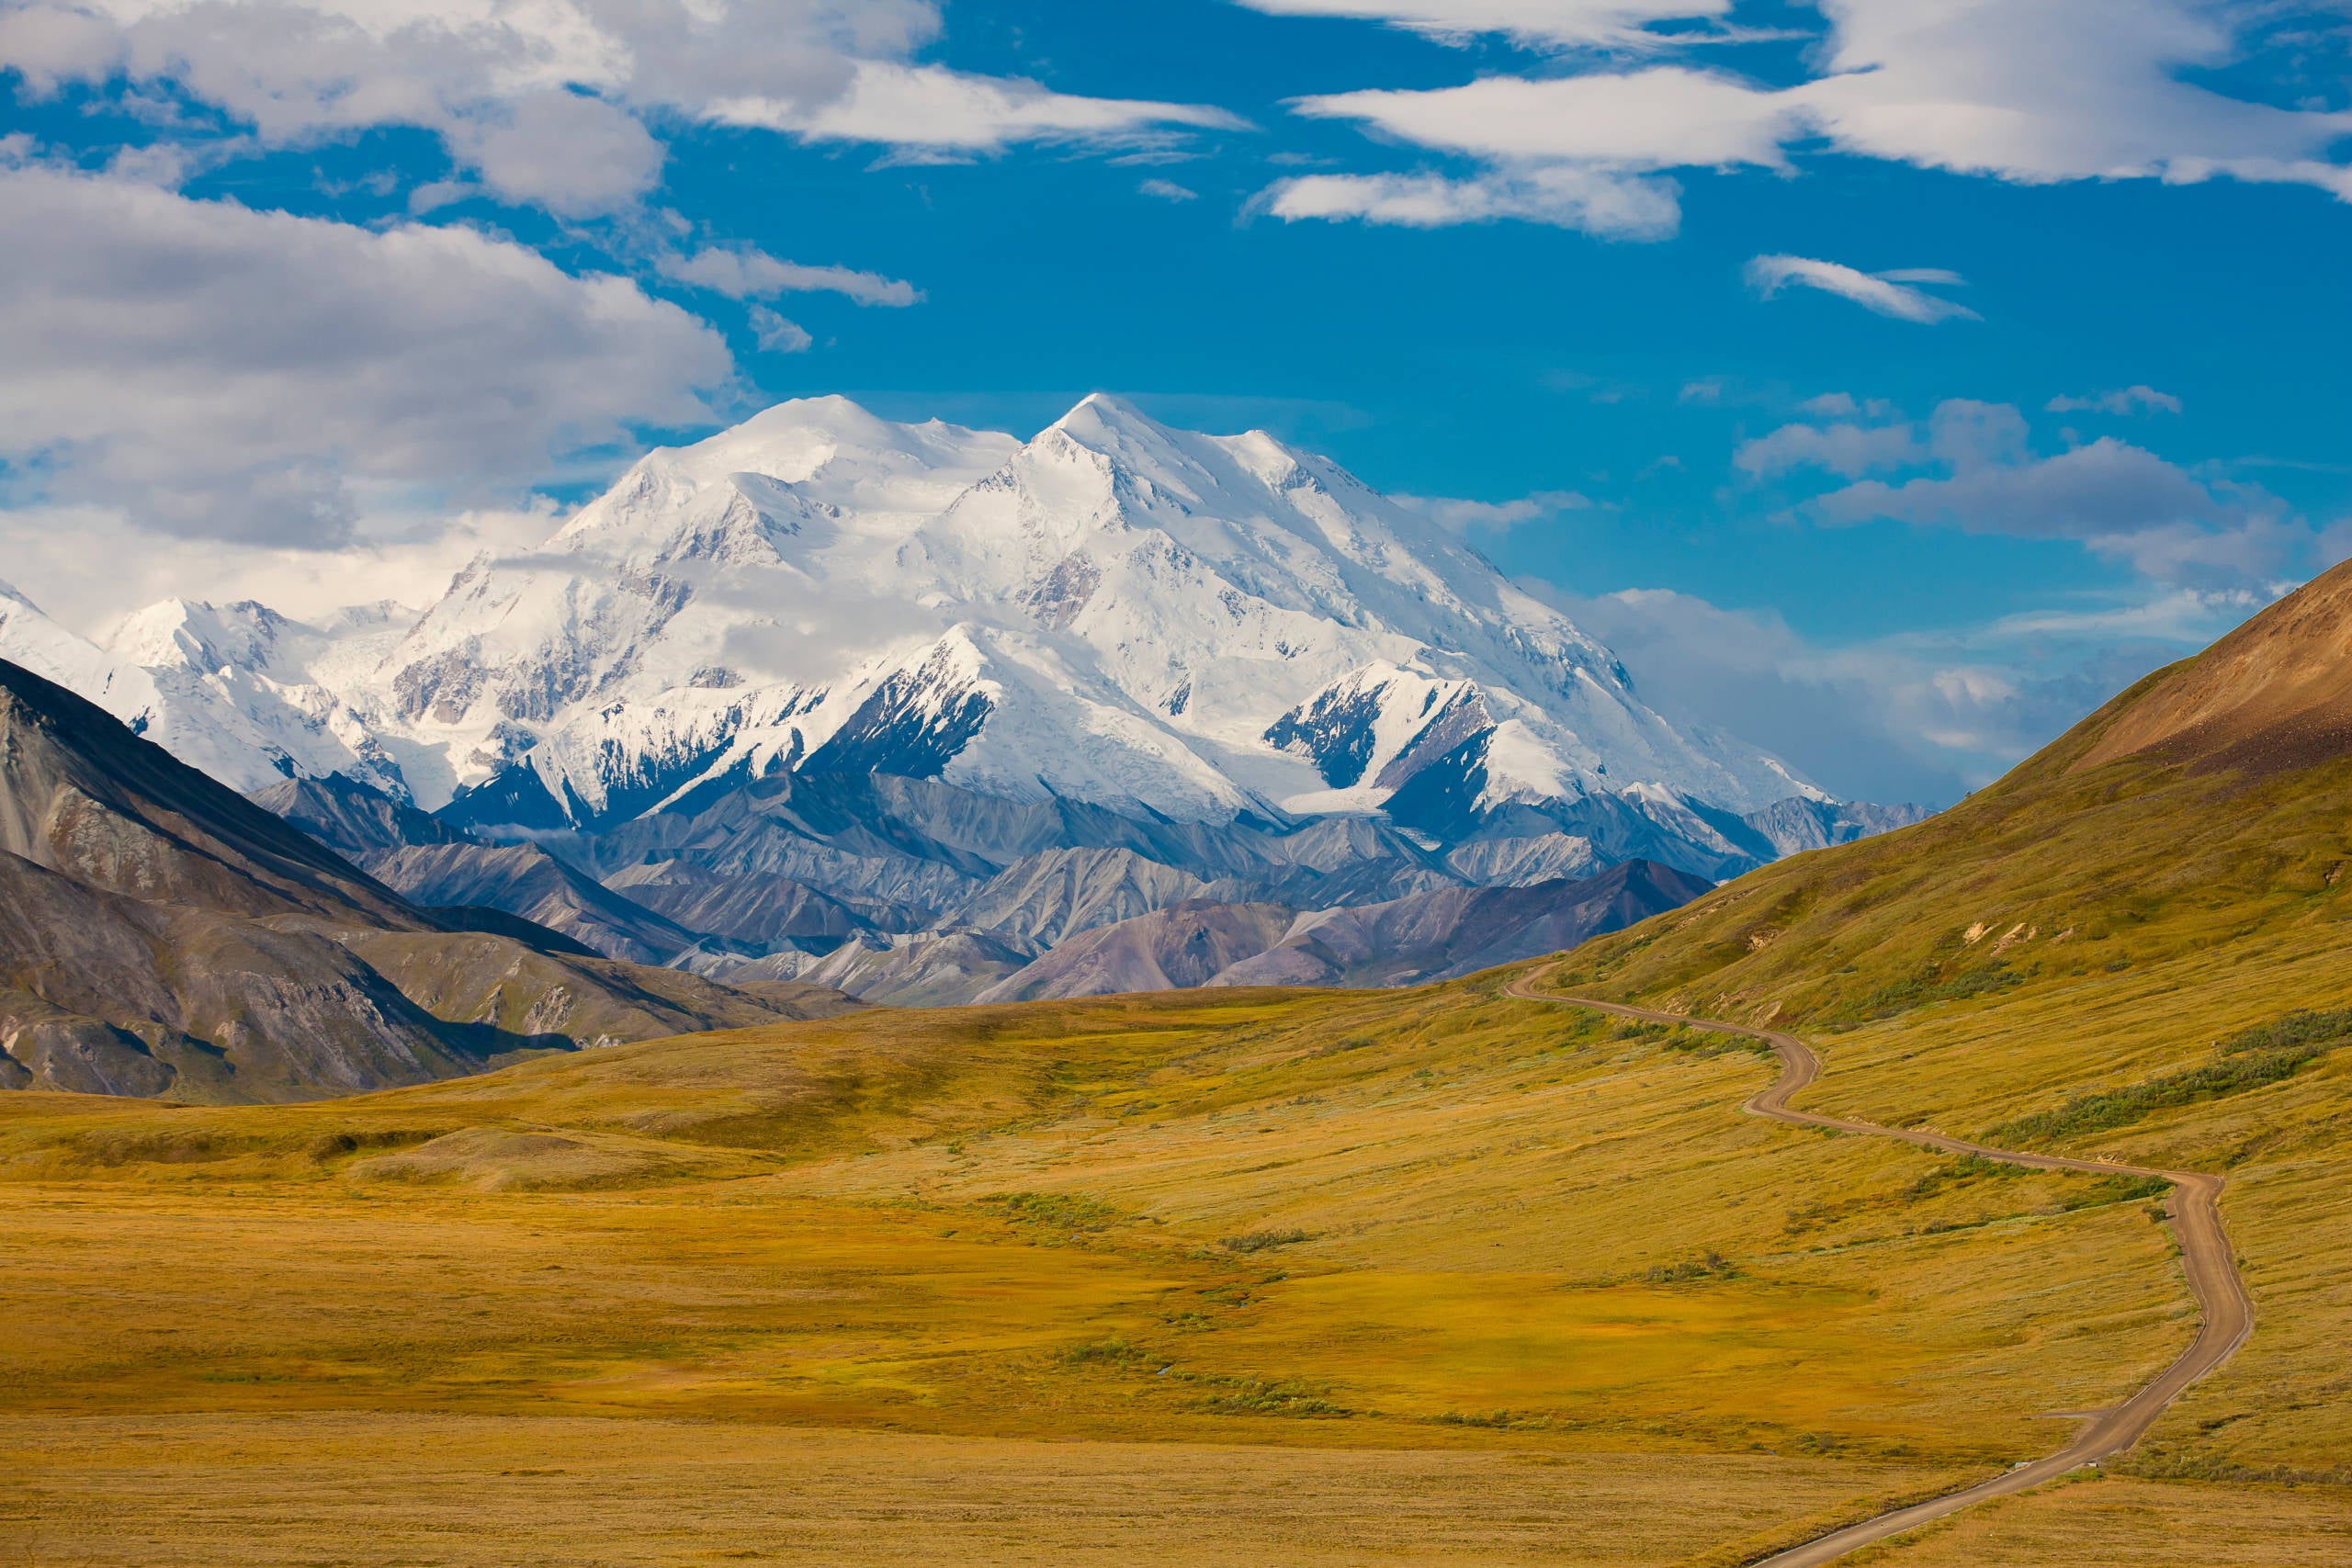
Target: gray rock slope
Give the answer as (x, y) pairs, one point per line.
(1426, 936)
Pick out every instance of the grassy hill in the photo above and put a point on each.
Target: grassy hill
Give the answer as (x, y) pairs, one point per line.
(2102, 954)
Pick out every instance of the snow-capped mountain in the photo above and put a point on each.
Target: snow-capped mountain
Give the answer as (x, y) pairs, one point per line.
(1116, 621)
(924, 704)
(238, 690)
(1200, 627)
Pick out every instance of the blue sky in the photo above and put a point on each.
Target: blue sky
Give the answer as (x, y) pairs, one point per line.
(1611, 271)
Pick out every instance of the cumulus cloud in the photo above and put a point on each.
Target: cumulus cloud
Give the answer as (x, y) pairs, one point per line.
(1612, 206)
(2129, 399)
(2032, 91)
(1884, 293)
(741, 272)
(392, 552)
(1660, 117)
(2102, 491)
(572, 154)
(223, 373)
(549, 103)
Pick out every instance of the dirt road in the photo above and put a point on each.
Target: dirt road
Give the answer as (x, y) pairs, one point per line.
(2193, 1210)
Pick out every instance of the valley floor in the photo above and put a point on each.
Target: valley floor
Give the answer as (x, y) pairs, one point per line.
(291, 1491)
(1432, 1276)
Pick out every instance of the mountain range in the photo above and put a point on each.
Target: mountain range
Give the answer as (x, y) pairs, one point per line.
(899, 698)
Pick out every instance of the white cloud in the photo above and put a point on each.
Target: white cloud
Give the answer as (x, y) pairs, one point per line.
(2104, 490)
(548, 101)
(223, 373)
(1885, 293)
(1852, 450)
(1661, 118)
(1457, 516)
(1916, 717)
(2032, 91)
(571, 154)
(1973, 466)
(2129, 399)
(932, 107)
(1610, 205)
(404, 556)
(1555, 22)
(778, 335)
(1168, 190)
(741, 273)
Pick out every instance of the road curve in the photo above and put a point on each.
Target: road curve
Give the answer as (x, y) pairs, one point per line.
(2193, 1209)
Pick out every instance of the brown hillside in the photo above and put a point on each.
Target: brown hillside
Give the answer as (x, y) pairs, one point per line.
(2274, 696)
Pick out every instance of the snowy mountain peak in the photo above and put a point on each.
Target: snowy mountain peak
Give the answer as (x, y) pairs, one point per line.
(1178, 625)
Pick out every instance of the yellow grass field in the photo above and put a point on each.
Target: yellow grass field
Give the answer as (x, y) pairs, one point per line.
(1247, 1276)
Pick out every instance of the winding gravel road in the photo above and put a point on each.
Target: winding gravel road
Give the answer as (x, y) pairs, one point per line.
(2193, 1209)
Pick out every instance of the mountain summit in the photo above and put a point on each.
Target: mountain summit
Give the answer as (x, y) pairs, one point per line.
(825, 679)
(1192, 627)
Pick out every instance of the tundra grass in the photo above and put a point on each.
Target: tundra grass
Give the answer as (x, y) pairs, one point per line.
(1302, 1226)
(2120, 1522)
(2171, 956)
(1305, 1226)
(479, 1492)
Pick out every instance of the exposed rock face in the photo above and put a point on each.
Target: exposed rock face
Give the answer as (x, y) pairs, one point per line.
(1436, 935)
(1039, 899)
(112, 994)
(160, 934)
(82, 796)
(1452, 931)
(354, 820)
(526, 880)
(1173, 949)
(930, 969)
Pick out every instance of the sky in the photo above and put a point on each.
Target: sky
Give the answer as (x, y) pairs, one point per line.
(1887, 382)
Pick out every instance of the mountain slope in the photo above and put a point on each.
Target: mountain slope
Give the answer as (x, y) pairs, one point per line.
(161, 934)
(82, 795)
(2206, 801)
(1443, 934)
(2133, 946)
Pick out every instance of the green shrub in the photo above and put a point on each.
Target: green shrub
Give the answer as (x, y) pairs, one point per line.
(1258, 1241)
(2267, 1054)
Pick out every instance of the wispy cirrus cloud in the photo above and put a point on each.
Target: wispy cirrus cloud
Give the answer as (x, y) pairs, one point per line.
(1609, 205)
(2029, 91)
(1894, 293)
(742, 271)
(1555, 23)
